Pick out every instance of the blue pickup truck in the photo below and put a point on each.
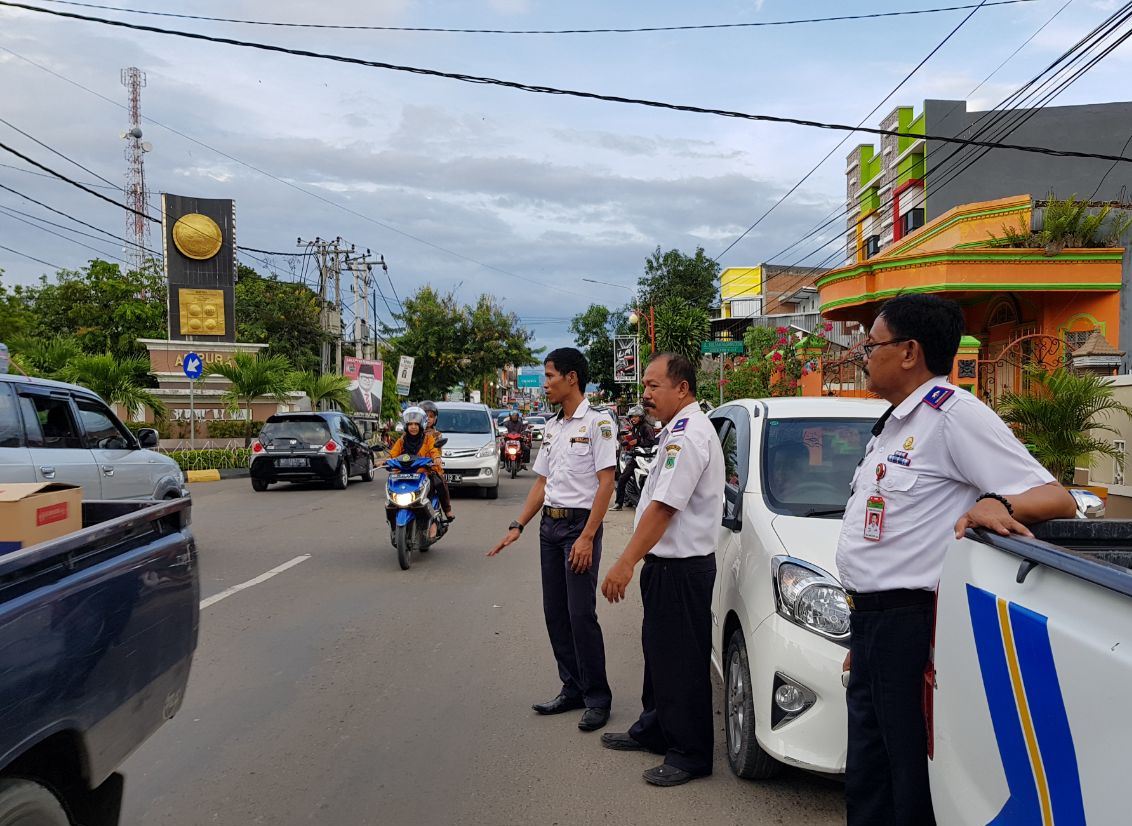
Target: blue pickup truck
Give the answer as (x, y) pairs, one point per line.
(97, 633)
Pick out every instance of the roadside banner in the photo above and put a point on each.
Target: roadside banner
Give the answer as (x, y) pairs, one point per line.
(625, 359)
(366, 381)
(404, 375)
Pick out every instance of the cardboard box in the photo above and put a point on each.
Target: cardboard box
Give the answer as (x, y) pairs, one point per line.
(35, 512)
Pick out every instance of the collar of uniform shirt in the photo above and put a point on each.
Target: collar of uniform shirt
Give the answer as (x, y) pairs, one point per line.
(579, 411)
(685, 411)
(909, 404)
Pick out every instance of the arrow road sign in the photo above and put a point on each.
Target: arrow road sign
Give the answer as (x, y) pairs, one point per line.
(193, 366)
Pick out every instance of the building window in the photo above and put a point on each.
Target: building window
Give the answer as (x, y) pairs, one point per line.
(911, 220)
(1076, 340)
(1004, 313)
(1118, 463)
(745, 308)
(872, 246)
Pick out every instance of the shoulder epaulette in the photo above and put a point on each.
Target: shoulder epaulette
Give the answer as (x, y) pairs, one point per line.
(599, 408)
(937, 396)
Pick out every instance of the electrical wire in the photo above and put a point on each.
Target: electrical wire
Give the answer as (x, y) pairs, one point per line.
(637, 30)
(552, 90)
(70, 217)
(72, 230)
(30, 257)
(841, 142)
(67, 158)
(51, 177)
(65, 238)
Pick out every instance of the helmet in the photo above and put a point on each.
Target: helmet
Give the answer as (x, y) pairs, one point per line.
(428, 407)
(636, 410)
(514, 414)
(413, 414)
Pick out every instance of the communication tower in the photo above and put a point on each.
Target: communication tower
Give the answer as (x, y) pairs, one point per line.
(137, 196)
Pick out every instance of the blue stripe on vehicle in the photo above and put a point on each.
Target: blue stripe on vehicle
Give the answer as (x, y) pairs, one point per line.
(1021, 807)
(1043, 691)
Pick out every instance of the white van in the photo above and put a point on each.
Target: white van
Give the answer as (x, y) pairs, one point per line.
(56, 432)
(780, 619)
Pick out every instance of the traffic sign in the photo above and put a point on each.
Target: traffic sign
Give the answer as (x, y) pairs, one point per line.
(530, 380)
(721, 347)
(193, 366)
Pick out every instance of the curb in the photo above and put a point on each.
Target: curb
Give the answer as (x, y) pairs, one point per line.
(234, 473)
(202, 476)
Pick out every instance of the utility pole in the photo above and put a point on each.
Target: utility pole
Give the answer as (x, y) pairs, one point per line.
(329, 256)
(362, 267)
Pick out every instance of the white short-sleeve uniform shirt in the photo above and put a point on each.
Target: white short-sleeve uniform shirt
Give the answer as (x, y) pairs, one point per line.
(930, 457)
(573, 451)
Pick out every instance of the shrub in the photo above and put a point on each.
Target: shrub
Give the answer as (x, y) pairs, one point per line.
(211, 459)
(234, 429)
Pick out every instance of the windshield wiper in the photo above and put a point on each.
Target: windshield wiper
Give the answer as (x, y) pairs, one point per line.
(827, 512)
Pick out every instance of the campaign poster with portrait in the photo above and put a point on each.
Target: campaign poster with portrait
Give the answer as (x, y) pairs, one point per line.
(366, 380)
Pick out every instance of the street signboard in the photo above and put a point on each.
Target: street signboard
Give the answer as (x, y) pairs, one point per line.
(404, 375)
(193, 365)
(530, 380)
(625, 359)
(721, 347)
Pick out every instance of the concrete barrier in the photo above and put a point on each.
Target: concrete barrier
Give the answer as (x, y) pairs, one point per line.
(203, 475)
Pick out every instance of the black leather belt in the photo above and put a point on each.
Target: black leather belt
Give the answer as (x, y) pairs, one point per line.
(564, 513)
(887, 600)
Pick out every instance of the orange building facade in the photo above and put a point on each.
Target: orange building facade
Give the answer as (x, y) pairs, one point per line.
(1021, 304)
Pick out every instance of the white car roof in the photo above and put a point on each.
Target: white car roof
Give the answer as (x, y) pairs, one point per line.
(461, 406)
(801, 407)
(13, 378)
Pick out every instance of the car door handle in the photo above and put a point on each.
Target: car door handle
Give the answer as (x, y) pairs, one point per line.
(48, 471)
(108, 470)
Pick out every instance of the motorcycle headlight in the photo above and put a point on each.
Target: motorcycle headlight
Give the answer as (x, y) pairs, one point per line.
(404, 500)
(487, 450)
(811, 598)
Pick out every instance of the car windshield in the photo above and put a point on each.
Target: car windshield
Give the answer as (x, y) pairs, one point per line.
(536, 420)
(463, 421)
(809, 463)
(309, 430)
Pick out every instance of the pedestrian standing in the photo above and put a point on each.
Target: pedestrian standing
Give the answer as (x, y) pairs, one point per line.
(674, 531)
(939, 462)
(575, 469)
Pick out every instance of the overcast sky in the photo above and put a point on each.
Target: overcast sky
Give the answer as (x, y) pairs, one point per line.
(549, 189)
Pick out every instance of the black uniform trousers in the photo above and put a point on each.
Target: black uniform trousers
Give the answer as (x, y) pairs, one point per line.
(569, 603)
(886, 772)
(623, 480)
(677, 719)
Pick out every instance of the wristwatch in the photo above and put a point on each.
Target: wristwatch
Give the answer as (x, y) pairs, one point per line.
(516, 525)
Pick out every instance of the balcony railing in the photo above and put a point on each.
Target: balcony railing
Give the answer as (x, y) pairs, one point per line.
(844, 334)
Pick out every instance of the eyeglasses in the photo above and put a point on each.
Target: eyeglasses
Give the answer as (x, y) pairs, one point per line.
(867, 349)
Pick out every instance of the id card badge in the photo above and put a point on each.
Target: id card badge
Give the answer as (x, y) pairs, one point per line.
(874, 518)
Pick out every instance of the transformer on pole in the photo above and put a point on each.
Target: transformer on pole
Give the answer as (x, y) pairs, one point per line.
(137, 196)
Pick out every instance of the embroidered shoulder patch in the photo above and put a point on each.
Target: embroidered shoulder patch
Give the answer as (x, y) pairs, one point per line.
(606, 428)
(937, 396)
(679, 426)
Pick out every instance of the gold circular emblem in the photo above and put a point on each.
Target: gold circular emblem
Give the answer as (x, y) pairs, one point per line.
(197, 236)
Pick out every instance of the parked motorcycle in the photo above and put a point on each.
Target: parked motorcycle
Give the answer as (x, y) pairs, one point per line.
(513, 453)
(641, 459)
(412, 507)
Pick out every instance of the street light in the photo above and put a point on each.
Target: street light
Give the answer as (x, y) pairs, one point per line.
(635, 319)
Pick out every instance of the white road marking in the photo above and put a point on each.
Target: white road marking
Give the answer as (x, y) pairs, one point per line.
(227, 592)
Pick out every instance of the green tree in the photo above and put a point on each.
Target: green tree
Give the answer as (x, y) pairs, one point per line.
(252, 377)
(493, 339)
(691, 280)
(282, 314)
(681, 328)
(325, 387)
(118, 380)
(46, 357)
(105, 310)
(594, 331)
(16, 318)
(1058, 417)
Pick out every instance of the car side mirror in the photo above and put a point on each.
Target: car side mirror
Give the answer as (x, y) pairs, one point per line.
(148, 438)
(441, 442)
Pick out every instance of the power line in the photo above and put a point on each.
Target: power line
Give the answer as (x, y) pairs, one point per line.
(637, 30)
(8, 209)
(552, 90)
(30, 257)
(65, 238)
(67, 158)
(841, 142)
(66, 215)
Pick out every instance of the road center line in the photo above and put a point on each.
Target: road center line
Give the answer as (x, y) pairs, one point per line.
(227, 592)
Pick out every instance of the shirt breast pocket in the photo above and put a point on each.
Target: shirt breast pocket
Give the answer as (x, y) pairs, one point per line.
(898, 480)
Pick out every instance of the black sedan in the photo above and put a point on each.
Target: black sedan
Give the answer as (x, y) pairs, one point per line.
(300, 447)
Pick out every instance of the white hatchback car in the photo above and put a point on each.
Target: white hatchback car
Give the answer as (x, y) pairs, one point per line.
(471, 454)
(56, 432)
(780, 619)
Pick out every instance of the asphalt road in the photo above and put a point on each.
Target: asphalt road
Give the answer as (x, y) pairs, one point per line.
(343, 690)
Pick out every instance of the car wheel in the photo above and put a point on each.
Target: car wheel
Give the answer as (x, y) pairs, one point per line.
(24, 802)
(746, 756)
(342, 477)
(368, 475)
(491, 493)
(259, 485)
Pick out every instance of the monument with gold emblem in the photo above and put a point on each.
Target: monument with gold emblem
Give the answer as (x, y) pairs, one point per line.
(200, 267)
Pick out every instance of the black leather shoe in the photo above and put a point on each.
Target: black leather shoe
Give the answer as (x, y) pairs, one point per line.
(560, 704)
(593, 719)
(665, 775)
(620, 741)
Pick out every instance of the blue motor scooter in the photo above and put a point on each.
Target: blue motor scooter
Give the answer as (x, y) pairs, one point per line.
(412, 507)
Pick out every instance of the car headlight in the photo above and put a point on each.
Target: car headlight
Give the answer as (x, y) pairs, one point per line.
(811, 598)
(487, 450)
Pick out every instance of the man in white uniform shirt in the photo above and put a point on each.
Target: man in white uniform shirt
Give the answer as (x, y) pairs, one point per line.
(575, 468)
(674, 531)
(940, 462)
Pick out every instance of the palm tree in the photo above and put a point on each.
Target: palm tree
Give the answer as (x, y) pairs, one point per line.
(46, 357)
(681, 328)
(121, 381)
(1058, 417)
(325, 387)
(252, 377)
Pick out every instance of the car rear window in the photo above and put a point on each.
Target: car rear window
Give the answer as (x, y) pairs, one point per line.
(311, 431)
(536, 420)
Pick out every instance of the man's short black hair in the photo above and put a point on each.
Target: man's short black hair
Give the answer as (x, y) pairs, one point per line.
(936, 323)
(367, 370)
(568, 360)
(680, 368)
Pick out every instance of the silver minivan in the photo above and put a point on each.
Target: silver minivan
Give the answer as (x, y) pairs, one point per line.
(56, 432)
